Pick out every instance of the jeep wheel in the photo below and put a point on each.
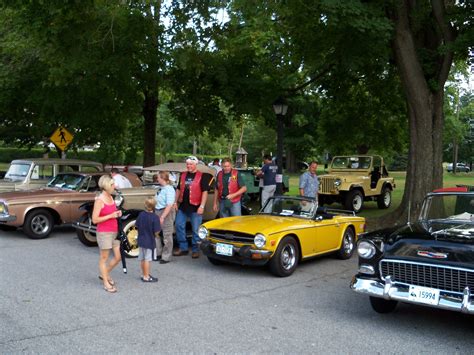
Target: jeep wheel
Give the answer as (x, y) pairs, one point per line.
(354, 201)
(384, 200)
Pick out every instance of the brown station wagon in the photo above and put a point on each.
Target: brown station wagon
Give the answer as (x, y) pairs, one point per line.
(38, 211)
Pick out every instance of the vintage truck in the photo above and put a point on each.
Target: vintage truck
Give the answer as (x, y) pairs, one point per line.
(353, 179)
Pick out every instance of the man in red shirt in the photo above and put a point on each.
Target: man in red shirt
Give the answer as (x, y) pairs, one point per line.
(230, 187)
(191, 197)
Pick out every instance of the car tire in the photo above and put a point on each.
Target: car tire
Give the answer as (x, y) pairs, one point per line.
(85, 237)
(38, 224)
(215, 261)
(131, 231)
(354, 201)
(285, 260)
(347, 245)
(381, 305)
(384, 200)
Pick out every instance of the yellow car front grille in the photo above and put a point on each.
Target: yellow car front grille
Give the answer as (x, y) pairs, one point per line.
(231, 236)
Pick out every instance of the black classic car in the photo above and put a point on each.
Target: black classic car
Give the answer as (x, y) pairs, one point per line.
(429, 262)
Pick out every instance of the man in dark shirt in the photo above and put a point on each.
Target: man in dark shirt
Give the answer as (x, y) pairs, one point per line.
(268, 173)
(191, 196)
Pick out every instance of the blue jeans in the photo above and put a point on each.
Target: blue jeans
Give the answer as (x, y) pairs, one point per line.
(234, 210)
(196, 220)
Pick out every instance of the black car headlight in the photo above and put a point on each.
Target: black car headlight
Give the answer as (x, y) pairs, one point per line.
(337, 182)
(366, 250)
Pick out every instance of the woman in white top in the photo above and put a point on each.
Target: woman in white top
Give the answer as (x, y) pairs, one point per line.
(164, 209)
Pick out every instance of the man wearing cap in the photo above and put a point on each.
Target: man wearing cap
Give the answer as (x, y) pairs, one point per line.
(191, 196)
(230, 187)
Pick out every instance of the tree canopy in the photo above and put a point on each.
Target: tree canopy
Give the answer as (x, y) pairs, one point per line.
(364, 76)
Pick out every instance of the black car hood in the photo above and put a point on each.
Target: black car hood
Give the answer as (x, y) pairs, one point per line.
(430, 242)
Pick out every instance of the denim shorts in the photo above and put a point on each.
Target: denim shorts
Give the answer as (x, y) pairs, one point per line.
(145, 254)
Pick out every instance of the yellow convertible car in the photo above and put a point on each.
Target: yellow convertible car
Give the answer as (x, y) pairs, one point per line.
(286, 231)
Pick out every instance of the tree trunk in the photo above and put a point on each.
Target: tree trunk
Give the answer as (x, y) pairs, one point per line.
(150, 82)
(425, 112)
(150, 108)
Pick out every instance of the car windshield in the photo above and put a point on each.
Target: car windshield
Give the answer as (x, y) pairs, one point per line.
(72, 182)
(449, 208)
(351, 163)
(290, 206)
(17, 172)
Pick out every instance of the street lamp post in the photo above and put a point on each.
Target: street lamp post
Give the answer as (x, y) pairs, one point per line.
(280, 107)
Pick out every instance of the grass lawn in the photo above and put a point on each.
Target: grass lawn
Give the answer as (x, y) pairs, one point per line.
(371, 210)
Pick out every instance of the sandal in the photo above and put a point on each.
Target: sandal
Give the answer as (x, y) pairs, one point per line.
(110, 289)
(150, 279)
(111, 282)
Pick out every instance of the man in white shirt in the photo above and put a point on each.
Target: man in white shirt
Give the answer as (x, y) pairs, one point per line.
(121, 181)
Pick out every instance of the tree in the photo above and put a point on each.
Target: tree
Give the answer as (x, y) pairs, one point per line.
(427, 37)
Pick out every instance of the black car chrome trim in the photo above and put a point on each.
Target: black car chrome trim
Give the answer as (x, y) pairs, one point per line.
(454, 290)
(377, 288)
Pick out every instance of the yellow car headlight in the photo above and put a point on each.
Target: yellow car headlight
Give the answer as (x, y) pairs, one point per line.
(202, 232)
(3, 208)
(259, 240)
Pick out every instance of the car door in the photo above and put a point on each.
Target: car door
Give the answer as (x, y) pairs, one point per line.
(319, 236)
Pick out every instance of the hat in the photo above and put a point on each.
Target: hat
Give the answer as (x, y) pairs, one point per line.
(192, 159)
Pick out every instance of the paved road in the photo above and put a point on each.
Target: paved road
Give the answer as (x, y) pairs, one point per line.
(51, 301)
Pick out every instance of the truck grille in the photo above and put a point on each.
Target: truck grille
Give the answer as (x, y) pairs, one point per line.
(442, 278)
(327, 185)
(231, 236)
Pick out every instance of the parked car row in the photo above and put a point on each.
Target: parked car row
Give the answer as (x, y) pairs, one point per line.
(427, 262)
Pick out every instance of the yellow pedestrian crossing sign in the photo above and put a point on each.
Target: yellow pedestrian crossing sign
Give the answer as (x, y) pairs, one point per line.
(61, 138)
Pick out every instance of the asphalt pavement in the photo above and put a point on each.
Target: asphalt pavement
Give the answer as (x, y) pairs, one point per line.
(51, 301)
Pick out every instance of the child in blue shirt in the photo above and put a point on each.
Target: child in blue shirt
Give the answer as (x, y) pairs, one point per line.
(148, 225)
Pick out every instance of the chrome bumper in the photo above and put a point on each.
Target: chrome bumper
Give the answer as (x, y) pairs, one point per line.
(244, 255)
(7, 218)
(390, 291)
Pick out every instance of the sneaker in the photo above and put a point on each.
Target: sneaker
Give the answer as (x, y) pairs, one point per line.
(180, 252)
(164, 261)
(195, 255)
(150, 279)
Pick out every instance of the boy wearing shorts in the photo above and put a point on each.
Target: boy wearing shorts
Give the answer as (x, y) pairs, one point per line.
(148, 225)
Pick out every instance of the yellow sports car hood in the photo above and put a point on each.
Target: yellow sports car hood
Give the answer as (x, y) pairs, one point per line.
(265, 224)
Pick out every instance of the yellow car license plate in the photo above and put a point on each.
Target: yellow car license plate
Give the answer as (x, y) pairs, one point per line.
(423, 295)
(224, 249)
